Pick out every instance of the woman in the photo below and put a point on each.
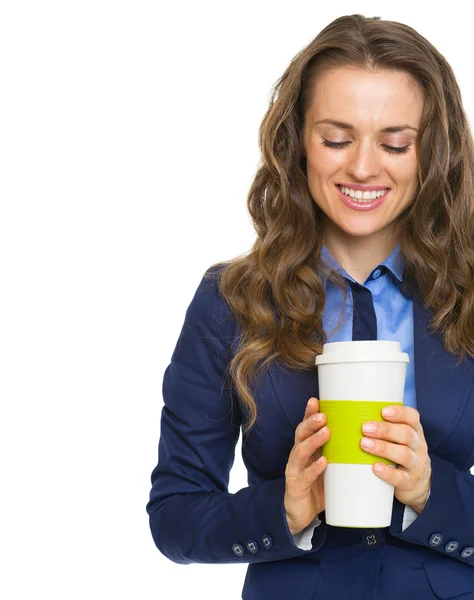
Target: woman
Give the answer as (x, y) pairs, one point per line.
(363, 205)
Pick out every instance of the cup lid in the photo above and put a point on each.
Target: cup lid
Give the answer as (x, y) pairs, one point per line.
(362, 351)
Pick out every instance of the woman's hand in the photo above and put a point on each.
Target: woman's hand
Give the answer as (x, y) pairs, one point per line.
(304, 491)
(402, 441)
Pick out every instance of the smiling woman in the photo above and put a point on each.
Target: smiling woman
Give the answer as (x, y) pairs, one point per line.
(351, 138)
(365, 192)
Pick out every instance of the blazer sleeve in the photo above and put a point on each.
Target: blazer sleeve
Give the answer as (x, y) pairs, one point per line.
(446, 524)
(192, 516)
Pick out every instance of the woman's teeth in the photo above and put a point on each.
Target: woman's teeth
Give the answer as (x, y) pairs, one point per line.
(362, 196)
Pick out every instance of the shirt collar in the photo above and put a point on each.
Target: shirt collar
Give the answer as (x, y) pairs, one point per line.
(394, 262)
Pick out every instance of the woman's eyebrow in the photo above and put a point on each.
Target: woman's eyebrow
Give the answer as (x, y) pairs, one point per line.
(342, 125)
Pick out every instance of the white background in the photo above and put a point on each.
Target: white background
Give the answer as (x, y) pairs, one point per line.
(128, 139)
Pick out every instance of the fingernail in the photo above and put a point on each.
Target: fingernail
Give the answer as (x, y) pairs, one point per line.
(322, 431)
(388, 412)
(368, 427)
(367, 442)
(310, 402)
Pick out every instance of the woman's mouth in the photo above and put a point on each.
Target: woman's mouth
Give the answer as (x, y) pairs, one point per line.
(361, 203)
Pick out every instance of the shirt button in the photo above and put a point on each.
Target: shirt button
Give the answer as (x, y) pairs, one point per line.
(467, 552)
(267, 541)
(238, 549)
(376, 274)
(436, 539)
(252, 546)
(451, 546)
(371, 539)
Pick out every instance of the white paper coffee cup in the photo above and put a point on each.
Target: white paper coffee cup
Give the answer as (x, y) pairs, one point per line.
(356, 380)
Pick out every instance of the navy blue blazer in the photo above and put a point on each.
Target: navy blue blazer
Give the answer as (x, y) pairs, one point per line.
(194, 519)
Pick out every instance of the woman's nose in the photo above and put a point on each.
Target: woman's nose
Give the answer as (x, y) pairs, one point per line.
(363, 161)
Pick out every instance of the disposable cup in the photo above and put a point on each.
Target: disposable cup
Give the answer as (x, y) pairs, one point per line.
(356, 380)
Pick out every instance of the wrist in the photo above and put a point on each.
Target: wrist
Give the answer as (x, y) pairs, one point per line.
(420, 507)
(293, 530)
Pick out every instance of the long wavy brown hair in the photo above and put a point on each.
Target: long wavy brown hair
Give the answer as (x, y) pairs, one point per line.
(276, 291)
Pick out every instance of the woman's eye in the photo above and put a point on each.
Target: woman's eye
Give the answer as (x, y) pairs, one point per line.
(392, 149)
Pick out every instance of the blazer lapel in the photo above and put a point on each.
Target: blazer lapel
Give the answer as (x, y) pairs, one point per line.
(442, 387)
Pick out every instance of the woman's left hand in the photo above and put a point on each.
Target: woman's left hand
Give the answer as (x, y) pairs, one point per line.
(400, 439)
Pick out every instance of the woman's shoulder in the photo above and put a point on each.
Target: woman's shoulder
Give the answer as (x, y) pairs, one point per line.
(208, 306)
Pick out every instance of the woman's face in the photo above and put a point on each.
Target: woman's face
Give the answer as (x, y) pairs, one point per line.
(367, 102)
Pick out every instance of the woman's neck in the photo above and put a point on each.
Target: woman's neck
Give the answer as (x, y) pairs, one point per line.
(358, 256)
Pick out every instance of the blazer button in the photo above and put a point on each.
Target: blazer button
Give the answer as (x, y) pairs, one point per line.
(371, 539)
(238, 550)
(267, 541)
(467, 552)
(252, 546)
(451, 546)
(436, 539)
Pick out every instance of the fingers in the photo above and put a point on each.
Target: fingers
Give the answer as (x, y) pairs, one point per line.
(397, 453)
(311, 407)
(397, 433)
(310, 435)
(396, 442)
(312, 418)
(405, 414)
(302, 465)
(404, 429)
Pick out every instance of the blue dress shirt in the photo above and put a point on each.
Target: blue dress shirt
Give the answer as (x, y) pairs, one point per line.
(394, 312)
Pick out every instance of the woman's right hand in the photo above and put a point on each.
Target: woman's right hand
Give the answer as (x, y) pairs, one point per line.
(304, 488)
